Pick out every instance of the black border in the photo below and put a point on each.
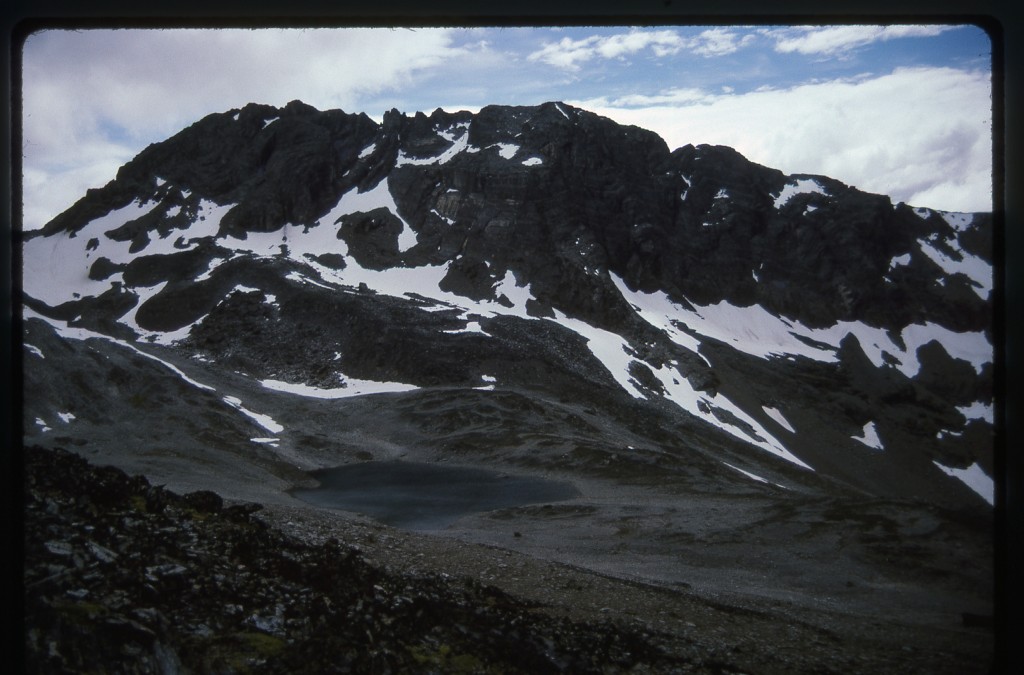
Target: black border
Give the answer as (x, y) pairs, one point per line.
(996, 17)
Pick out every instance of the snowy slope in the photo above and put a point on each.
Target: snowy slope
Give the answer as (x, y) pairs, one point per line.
(172, 245)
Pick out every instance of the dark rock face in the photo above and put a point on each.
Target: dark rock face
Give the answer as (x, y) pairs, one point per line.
(560, 206)
(699, 223)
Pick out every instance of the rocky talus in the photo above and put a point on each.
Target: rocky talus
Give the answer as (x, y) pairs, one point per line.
(131, 577)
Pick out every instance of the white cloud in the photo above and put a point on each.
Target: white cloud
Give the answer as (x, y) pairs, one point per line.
(832, 39)
(566, 53)
(718, 42)
(666, 41)
(570, 54)
(919, 135)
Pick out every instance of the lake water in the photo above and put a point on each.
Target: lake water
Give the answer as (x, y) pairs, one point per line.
(421, 496)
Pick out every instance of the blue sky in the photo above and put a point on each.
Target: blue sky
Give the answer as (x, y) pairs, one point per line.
(899, 110)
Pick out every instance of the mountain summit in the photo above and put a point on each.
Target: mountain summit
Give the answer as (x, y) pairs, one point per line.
(548, 253)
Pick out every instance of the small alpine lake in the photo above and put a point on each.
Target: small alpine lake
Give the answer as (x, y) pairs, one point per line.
(426, 496)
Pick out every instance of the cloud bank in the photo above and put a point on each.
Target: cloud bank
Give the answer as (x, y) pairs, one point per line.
(834, 40)
(570, 54)
(921, 135)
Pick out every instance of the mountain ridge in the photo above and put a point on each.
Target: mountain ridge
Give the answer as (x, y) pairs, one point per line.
(541, 216)
(259, 178)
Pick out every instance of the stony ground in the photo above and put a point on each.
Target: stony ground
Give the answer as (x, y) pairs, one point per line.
(125, 576)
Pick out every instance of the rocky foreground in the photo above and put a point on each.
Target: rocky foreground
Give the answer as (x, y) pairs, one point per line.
(125, 576)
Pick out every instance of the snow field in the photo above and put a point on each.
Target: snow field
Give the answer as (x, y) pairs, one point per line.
(56, 268)
(975, 478)
(767, 336)
(973, 267)
(761, 334)
(353, 387)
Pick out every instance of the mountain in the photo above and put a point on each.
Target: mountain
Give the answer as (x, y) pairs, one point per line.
(548, 252)
(538, 290)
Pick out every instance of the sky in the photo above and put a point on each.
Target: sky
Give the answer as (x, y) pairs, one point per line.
(901, 110)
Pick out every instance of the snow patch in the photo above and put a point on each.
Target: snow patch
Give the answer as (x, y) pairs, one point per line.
(532, 161)
(514, 293)
(470, 327)
(446, 219)
(35, 350)
(353, 387)
(899, 261)
(975, 478)
(56, 267)
(971, 347)
(608, 348)
(66, 331)
(797, 187)
(296, 276)
(679, 391)
(460, 143)
(978, 411)
(958, 221)
(264, 421)
(65, 417)
(869, 437)
(506, 150)
(747, 473)
(659, 311)
(682, 195)
(351, 202)
(753, 330)
(973, 267)
(776, 415)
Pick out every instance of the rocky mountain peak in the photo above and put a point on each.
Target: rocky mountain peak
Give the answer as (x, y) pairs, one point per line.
(443, 249)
